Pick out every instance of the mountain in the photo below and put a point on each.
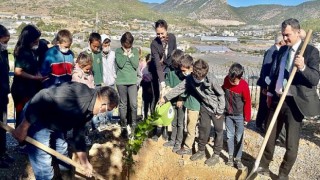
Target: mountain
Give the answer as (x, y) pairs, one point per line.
(201, 10)
(275, 14)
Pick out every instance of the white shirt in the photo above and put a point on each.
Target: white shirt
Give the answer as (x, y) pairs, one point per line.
(109, 70)
(279, 85)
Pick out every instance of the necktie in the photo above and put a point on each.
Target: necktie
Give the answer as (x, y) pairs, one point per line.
(287, 67)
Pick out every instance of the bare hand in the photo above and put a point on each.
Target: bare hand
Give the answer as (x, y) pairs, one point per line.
(218, 116)
(88, 169)
(179, 104)
(162, 101)
(245, 123)
(19, 134)
(299, 62)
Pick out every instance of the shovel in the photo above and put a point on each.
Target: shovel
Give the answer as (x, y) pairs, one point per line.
(276, 113)
(52, 152)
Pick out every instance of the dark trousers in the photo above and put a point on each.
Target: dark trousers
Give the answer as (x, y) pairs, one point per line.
(156, 92)
(204, 130)
(177, 126)
(147, 96)
(3, 145)
(128, 92)
(291, 117)
(262, 115)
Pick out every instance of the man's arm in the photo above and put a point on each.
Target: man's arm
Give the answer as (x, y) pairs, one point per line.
(83, 158)
(20, 133)
(310, 73)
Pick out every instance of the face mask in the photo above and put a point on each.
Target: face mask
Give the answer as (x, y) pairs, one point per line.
(106, 49)
(185, 73)
(64, 50)
(35, 47)
(3, 47)
(198, 81)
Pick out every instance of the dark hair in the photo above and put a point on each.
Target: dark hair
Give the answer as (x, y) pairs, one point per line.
(64, 36)
(186, 61)
(28, 35)
(148, 57)
(161, 23)
(106, 41)
(109, 95)
(294, 23)
(176, 56)
(94, 37)
(84, 60)
(127, 40)
(236, 71)
(200, 69)
(4, 31)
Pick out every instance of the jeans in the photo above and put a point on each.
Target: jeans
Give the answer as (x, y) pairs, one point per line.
(40, 160)
(204, 130)
(235, 128)
(125, 92)
(177, 126)
(291, 117)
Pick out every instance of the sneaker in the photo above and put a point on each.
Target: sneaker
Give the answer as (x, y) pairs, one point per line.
(197, 155)
(124, 133)
(176, 148)
(264, 171)
(213, 160)
(169, 144)
(4, 165)
(155, 138)
(230, 161)
(239, 164)
(184, 150)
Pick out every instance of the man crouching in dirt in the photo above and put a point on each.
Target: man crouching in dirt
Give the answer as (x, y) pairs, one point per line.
(54, 111)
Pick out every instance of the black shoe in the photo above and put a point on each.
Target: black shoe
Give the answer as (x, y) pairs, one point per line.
(4, 165)
(280, 143)
(230, 161)
(7, 158)
(260, 129)
(263, 171)
(213, 160)
(169, 144)
(184, 150)
(239, 164)
(124, 133)
(175, 149)
(197, 155)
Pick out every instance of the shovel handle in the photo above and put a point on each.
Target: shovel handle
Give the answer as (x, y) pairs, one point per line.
(52, 152)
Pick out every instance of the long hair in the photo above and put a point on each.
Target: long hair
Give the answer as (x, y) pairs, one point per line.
(28, 35)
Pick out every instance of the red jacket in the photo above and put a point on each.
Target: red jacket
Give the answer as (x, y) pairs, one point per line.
(238, 99)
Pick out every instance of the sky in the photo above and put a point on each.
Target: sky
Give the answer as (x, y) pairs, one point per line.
(238, 3)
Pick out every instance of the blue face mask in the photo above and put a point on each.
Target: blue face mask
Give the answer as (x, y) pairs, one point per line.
(198, 81)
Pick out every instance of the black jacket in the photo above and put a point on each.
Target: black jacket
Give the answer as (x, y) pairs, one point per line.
(304, 84)
(156, 55)
(4, 79)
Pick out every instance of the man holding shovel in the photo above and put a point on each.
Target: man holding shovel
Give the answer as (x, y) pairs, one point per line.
(56, 110)
(301, 99)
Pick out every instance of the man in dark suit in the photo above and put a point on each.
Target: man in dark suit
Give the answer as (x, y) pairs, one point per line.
(302, 99)
(269, 57)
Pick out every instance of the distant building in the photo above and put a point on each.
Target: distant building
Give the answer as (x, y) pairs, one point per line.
(218, 38)
(212, 49)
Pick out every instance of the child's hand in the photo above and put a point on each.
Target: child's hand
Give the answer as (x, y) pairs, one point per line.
(179, 104)
(162, 101)
(218, 116)
(245, 123)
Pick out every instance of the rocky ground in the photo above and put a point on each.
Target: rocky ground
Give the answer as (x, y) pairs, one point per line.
(157, 162)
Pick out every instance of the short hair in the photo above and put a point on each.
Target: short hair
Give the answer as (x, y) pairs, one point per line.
(236, 71)
(108, 95)
(176, 56)
(200, 69)
(161, 23)
(84, 60)
(94, 37)
(127, 40)
(186, 61)
(64, 36)
(4, 31)
(294, 23)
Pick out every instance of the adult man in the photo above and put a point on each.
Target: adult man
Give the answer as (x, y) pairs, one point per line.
(60, 108)
(302, 99)
(269, 56)
(5, 159)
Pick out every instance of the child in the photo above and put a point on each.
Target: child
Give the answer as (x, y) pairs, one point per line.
(212, 107)
(172, 79)
(94, 50)
(82, 71)
(58, 61)
(193, 108)
(238, 109)
(147, 95)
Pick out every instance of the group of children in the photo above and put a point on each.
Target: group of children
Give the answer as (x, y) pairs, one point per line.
(196, 90)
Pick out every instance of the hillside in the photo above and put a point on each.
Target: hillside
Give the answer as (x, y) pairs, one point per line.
(275, 14)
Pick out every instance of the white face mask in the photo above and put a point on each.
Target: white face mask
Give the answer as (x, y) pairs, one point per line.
(3, 47)
(35, 47)
(64, 50)
(198, 81)
(106, 49)
(185, 73)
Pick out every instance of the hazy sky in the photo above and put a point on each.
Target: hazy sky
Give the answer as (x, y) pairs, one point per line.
(238, 3)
